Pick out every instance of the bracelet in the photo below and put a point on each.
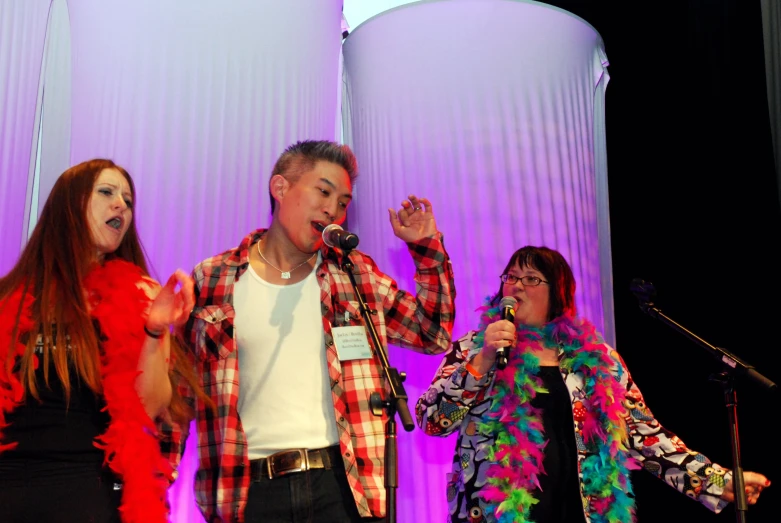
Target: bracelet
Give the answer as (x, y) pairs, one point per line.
(155, 335)
(473, 371)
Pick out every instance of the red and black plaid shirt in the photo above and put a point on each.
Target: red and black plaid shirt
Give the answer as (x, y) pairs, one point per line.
(423, 323)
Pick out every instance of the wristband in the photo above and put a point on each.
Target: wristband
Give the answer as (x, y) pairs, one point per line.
(473, 371)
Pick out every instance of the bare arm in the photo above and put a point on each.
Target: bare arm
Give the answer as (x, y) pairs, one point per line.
(169, 307)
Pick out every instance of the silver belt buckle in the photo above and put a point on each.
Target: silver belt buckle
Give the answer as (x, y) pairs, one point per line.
(304, 457)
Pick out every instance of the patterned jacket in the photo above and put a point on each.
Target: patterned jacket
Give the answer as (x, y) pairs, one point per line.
(457, 400)
(423, 323)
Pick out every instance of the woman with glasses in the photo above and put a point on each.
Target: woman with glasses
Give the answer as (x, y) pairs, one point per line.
(542, 439)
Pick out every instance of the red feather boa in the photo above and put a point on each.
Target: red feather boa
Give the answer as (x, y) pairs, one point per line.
(130, 442)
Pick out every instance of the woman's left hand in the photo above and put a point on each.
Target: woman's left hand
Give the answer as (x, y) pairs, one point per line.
(171, 306)
(754, 483)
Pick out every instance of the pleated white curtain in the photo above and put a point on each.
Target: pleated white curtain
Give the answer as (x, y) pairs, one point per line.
(54, 109)
(494, 110)
(22, 35)
(197, 99)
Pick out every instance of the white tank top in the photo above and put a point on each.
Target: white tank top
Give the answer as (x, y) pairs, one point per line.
(284, 388)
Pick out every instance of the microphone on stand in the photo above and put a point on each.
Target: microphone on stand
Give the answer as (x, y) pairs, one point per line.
(645, 292)
(507, 306)
(336, 237)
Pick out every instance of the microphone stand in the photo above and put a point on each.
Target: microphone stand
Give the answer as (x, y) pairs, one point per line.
(395, 403)
(733, 366)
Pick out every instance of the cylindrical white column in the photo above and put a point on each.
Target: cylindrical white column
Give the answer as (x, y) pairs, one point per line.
(22, 37)
(197, 100)
(494, 110)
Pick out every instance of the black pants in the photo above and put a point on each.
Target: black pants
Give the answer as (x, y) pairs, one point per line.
(75, 499)
(314, 496)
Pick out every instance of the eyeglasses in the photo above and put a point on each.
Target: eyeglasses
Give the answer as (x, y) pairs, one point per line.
(528, 281)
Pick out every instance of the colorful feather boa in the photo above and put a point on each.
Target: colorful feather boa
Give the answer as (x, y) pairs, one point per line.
(518, 453)
(130, 443)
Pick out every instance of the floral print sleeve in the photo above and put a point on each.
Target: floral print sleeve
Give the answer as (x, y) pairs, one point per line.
(453, 392)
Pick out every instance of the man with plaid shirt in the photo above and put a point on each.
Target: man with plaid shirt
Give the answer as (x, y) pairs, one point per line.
(281, 348)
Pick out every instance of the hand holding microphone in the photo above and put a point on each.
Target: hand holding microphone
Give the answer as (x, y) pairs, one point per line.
(507, 310)
(497, 337)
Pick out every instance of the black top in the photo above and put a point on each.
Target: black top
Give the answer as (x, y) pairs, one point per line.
(54, 438)
(559, 500)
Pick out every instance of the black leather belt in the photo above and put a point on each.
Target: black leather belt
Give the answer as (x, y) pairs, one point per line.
(294, 460)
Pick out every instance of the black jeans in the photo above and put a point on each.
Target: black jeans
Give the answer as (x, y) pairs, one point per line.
(314, 496)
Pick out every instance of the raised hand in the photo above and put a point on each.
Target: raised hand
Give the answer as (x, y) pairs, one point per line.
(414, 221)
(171, 306)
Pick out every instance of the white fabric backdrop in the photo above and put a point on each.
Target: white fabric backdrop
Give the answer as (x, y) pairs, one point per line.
(197, 100)
(22, 34)
(494, 110)
(54, 109)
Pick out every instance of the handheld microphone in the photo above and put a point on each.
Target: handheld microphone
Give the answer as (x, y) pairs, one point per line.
(507, 306)
(336, 237)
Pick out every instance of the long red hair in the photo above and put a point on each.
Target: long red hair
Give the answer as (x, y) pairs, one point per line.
(52, 267)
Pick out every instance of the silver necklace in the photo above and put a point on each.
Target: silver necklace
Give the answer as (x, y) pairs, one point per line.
(285, 274)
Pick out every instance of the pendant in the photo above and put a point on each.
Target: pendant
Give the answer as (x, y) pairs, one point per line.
(286, 275)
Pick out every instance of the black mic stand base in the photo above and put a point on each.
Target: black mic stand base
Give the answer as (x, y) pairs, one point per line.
(738, 483)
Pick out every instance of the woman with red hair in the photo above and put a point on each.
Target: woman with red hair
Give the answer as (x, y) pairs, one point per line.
(86, 360)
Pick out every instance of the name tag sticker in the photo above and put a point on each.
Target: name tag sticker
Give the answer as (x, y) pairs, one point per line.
(351, 343)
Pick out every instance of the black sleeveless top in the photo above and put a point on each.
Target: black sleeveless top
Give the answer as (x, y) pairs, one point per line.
(54, 439)
(559, 499)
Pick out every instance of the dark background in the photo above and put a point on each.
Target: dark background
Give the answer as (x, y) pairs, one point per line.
(694, 207)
